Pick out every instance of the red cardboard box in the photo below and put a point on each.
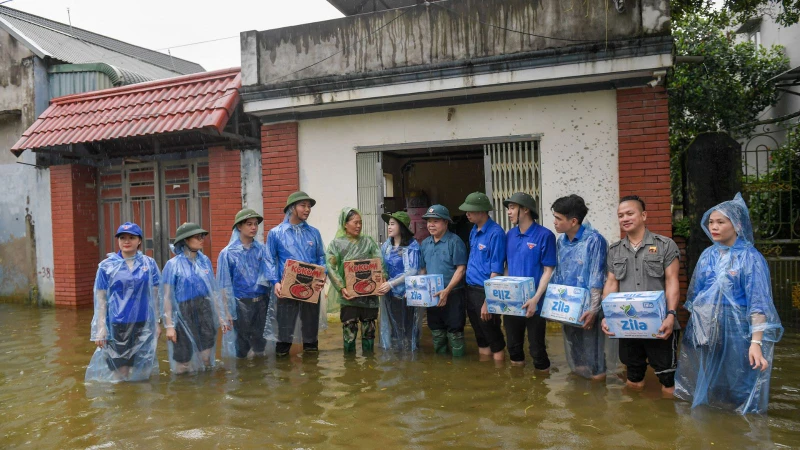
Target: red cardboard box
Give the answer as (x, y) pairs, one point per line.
(363, 278)
(299, 279)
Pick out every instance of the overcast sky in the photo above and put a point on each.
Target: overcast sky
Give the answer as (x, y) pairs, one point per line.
(159, 24)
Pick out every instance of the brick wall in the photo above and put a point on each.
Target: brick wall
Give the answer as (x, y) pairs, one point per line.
(643, 123)
(225, 191)
(280, 168)
(683, 277)
(75, 231)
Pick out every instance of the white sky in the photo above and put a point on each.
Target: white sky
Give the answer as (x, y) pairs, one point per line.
(159, 24)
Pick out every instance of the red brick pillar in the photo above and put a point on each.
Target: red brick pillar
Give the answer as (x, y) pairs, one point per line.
(280, 168)
(73, 196)
(225, 192)
(643, 123)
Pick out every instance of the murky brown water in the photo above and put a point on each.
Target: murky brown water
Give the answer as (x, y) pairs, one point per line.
(380, 402)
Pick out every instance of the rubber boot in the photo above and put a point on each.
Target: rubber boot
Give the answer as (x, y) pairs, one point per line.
(439, 341)
(349, 333)
(367, 335)
(456, 343)
(367, 345)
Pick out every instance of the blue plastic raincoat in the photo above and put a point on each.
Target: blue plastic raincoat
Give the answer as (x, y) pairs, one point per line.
(191, 302)
(400, 325)
(239, 272)
(730, 298)
(291, 320)
(126, 317)
(582, 263)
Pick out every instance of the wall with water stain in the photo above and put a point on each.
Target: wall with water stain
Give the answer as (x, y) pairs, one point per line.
(438, 33)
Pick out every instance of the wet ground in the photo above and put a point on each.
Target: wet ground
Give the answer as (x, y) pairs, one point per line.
(379, 402)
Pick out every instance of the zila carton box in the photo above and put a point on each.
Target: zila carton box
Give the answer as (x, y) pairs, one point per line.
(635, 314)
(506, 295)
(420, 290)
(363, 277)
(298, 281)
(565, 304)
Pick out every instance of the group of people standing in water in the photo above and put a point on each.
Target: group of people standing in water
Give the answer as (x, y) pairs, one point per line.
(724, 359)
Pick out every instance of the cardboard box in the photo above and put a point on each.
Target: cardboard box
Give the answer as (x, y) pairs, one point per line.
(420, 290)
(565, 304)
(298, 281)
(635, 314)
(362, 278)
(506, 295)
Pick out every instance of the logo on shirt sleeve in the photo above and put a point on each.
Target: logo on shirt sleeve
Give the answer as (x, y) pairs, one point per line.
(531, 245)
(310, 243)
(481, 246)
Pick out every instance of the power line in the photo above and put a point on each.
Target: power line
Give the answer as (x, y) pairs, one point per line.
(197, 43)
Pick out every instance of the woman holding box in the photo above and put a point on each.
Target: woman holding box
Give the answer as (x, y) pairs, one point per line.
(726, 354)
(401, 325)
(350, 245)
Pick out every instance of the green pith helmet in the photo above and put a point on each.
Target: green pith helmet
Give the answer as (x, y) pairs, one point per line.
(525, 200)
(401, 217)
(298, 196)
(438, 212)
(245, 214)
(475, 202)
(188, 230)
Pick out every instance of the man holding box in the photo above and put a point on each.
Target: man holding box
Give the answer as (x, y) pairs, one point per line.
(644, 261)
(294, 239)
(581, 263)
(530, 252)
(445, 253)
(487, 257)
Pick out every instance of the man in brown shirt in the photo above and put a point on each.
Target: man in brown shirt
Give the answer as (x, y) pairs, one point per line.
(644, 261)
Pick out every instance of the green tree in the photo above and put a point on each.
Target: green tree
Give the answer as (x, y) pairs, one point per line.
(785, 12)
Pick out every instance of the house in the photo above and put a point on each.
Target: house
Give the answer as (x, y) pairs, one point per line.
(41, 59)
(402, 104)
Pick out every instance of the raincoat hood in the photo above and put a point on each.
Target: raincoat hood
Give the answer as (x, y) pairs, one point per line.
(737, 212)
(341, 232)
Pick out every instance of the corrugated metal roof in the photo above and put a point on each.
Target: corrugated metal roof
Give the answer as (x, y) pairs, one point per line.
(75, 45)
(191, 102)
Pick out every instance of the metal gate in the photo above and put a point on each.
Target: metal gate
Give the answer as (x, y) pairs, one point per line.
(512, 167)
(370, 194)
(771, 172)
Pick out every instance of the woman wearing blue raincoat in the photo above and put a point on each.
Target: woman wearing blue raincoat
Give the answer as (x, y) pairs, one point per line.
(350, 245)
(582, 254)
(240, 267)
(191, 303)
(400, 324)
(125, 323)
(727, 350)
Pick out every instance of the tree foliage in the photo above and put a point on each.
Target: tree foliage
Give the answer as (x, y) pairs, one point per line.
(784, 12)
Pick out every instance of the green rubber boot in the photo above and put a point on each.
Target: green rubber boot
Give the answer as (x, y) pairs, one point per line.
(349, 333)
(367, 345)
(439, 341)
(456, 343)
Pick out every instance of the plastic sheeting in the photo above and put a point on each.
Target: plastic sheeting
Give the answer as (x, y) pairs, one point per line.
(126, 317)
(730, 298)
(192, 303)
(345, 248)
(400, 325)
(240, 275)
(582, 263)
(291, 320)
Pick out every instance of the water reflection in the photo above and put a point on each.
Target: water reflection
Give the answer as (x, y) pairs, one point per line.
(385, 401)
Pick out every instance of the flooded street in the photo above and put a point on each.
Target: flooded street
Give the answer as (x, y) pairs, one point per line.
(385, 401)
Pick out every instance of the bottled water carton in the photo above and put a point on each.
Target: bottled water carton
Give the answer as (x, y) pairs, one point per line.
(420, 290)
(506, 295)
(565, 304)
(635, 314)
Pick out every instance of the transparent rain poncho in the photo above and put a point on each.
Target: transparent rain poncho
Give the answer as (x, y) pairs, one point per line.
(126, 317)
(291, 320)
(191, 302)
(345, 248)
(730, 299)
(400, 325)
(582, 263)
(241, 272)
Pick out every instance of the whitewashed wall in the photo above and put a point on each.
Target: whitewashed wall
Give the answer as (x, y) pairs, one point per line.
(579, 149)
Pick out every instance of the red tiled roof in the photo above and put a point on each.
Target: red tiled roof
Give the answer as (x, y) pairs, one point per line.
(192, 102)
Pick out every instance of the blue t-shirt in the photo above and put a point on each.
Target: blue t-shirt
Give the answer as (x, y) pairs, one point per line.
(581, 261)
(487, 252)
(530, 252)
(400, 262)
(244, 267)
(300, 242)
(188, 279)
(443, 257)
(128, 291)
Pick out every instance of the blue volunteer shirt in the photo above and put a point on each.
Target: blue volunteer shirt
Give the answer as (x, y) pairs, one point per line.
(443, 257)
(128, 291)
(487, 252)
(188, 280)
(582, 260)
(300, 242)
(530, 252)
(244, 266)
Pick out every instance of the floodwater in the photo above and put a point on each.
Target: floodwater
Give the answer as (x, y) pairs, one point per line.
(324, 401)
